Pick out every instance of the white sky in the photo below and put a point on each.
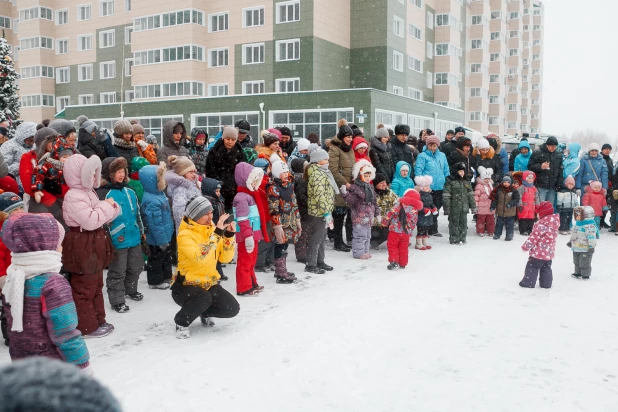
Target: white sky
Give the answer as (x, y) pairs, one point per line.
(580, 79)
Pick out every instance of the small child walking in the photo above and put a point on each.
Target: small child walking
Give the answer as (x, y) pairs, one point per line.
(458, 199)
(401, 221)
(567, 200)
(596, 197)
(542, 247)
(583, 241)
(402, 181)
(485, 219)
(425, 221)
(529, 201)
(504, 201)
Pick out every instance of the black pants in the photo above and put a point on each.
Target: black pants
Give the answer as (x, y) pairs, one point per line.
(525, 226)
(566, 215)
(340, 215)
(281, 250)
(437, 201)
(215, 302)
(3, 321)
(502, 221)
(379, 235)
(159, 265)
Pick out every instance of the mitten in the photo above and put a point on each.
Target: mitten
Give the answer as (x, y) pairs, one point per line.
(38, 196)
(279, 234)
(328, 218)
(578, 192)
(142, 144)
(343, 190)
(435, 211)
(249, 244)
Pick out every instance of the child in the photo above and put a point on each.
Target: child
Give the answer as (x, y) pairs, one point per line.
(425, 221)
(39, 307)
(266, 248)
(48, 176)
(197, 149)
(402, 181)
(159, 224)
(300, 190)
(596, 197)
(542, 246)
(401, 221)
(362, 201)
(124, 143)
(284, 216)
(485, 219)
(567, 200)
(196, 285)
(504, 201)
(126, 231)
(458, 198)
(583, 241)
(87, 248)
(181, 185)
(529, 200)
(386, 199)
(250, 219)
(360, 146)
(211, 190)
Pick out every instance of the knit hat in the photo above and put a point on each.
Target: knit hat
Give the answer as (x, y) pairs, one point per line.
(137, 163)
(119, 163)
(378, 179)
(273, 131)
(485, 173)
(482, 144)
(318, 155)
(81, 119)
(545, 209)
(229, 132)
(122, 127)
(250, 154)
(433, 139)
(507, 179)
(593, 146)
(568, 180)
(402, 129)
(62, 127)
(41, 138)
(463, 141)
(551, 141)
(32, 232)
(359, 143)
(270, 138)
(357, 131)
(298, 165)
(450, 132)
(423, 180)
(198, 207)
(345, 131)
(606, 146)
(180, 164)
(460, 129)
(406, 167)
(150, 139)
(138, 128)
(9, 201)
(243, 126)
(262, 164)
(278, 168)
(285, 131)
(64, 151)
(89, 126)
(302, 144)
(382, 132)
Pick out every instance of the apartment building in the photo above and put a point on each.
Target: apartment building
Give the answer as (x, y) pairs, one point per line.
(438, 62)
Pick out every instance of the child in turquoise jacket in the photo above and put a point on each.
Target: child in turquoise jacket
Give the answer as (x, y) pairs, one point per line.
(402, 181)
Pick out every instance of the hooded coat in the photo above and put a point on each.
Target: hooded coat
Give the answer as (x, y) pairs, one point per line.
(529, 199)
(128, 150)
(596, 200)
(341, 163)
(283, 208)
(432, 164)
(401, 184)
(155, 207)
(300, 187)
(13, 150)
(504, 200)
(458, 155)
(320, 192)
(521, 160)
(246, 211)
(180, 190)
(221, 164)
(546, 179)
(458, 195)
(571, 164)
(381, 158)
(591, 169)
(489, 160)
(88, 145)
(482, 193)
(171, 148)
(197, 153)
(407, 206)
(209, 189)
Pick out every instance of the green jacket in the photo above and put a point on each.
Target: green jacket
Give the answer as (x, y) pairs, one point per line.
(320, 192)
(458, 196)
(137, 187)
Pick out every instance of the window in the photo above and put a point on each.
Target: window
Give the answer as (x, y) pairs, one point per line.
(288, 50)
(536, 43)
(253, 87)
(526, 27)
(417, 3)
(513, 52)
(218, 57)
(524, 78)
(253, 17)
(511, 125)
(537, 12)
(287, 85)
(62, 46)
(495, 78)
(253, 53)
(512, 107)
(36, 43)
(441, 78)
(218, 22)
(496, 14)
(478, 68)
(415, 94)
(36, 71)
(85, 99)
(513, 88)
(535, 101)
(5, 22)
(536, 72)
(430, 20)
(447, 49)
(494, 120)
(107, 98)
(128, 33)
(128, 67)
(62, 17)
(514, 15)
(536, 57)
(495, 35)
(147, 91)
(37, 100)
(107, 8)
(63, 75)
(494, 100)
(524, 111)
(107, 70)
(170, 54)
(415, 32)
(478, 92)
(415, 64)
(129, 95)
(429, 50)
(478, 116)
(84, 72)
(84, 42)
(107, 39)
(218, 90)
(397, 61)
(513, 34)
(288, 11)
(513, 70)
(35, 13)
(176, 18)
(398, 26)
(429, 80)
(127, 6)
(494, 57)
(478, 20)
(62, 102)
(147, 23)
(477, 44)
(535, 86)
(442, 20)
(524, 95)
(398, 90)
(84, 12)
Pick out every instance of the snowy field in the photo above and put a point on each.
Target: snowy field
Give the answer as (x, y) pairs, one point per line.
(452, 332)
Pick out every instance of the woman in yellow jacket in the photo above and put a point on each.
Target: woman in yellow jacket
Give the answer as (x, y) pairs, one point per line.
(196, 287)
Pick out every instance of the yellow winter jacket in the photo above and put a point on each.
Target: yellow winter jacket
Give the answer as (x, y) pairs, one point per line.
(199, 249)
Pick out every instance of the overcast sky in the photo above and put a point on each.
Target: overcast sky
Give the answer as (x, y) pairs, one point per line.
(580, 80)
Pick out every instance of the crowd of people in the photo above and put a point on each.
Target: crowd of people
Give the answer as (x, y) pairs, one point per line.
(78, 199)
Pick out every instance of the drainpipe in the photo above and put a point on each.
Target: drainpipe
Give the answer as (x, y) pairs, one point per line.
(263, 119)
(435, 122)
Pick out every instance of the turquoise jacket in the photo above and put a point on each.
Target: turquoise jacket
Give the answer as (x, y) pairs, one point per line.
(125, 230)
(401, 184)
(155, 207)
(434, 165)
(571, 164)
(521, 161)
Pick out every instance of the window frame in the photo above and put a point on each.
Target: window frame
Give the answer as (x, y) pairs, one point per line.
(102, 94)
(286, 4)
(260, 83)
(262, 16)
(252, 46)
(287, 81)
(217, 15)
(59, 49)
(112, 64)
(106, 33)
(80, 78)
(59, 74)
(400, 57)
(86, 6)
(278, 44)
(80, 37)
(102, 4)
(81, 96)
(57, 14)
(218, 49)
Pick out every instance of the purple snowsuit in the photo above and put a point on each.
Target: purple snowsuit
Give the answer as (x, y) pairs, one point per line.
(363, 213)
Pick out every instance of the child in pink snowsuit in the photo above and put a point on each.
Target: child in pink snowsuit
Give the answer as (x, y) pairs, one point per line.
(485, 219)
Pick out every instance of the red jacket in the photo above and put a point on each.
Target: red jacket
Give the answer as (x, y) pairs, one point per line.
(5, 258)
(27, 164)
(597, 200)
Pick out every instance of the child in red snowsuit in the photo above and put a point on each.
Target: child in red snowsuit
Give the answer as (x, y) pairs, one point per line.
(596, 197)
(401, 222)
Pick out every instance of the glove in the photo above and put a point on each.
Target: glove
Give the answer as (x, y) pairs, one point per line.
(88, 371)
(279, 234)
(578, 192)
(249, 244)
(343, 190)
(38, 196)
(142, 144)
(435, 211)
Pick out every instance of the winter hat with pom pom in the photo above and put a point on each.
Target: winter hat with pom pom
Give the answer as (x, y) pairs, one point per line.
(593, 146)
(423, 181)
(278, 168)
(485, 173)
(270, 138)
(382, 132)
(181, 164)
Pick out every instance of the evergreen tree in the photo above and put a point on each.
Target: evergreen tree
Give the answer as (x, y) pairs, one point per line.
(9, 101)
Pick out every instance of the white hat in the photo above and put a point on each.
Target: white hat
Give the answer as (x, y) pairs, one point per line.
(303, 144)
(483, 144)
(485, 173)
(363, 166)
(274, 158)
(278, 168)
(594, 146)
(423, 180)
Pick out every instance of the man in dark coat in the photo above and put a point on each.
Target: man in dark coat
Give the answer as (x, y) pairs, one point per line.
(244, 139)
(380, 154)
(286, 143)
(546, 162)
(446, 145)
(400, 151)
(221, 163)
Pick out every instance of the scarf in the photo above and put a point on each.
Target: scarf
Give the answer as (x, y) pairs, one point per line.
(262, 205)
(360, 157)
(121, 143)
(345, 147)
(488, 188)
(367, 188)
(381, 192)
(330, 176)
(526, 184)
(26, 266)
(57, 164)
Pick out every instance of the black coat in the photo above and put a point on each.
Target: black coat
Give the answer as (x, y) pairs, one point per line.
(457, 156)
(514, 154)
(302, 199)
(401, 152)
(248, 142)
(221, 164)
(427, 200)
(447, 147)
(288, 147)
(89, 146)
(494, 163)
(380, 156)
(127, 153)
(546, 179)
(610, 168)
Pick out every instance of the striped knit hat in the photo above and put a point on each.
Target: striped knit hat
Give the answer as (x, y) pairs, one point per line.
(198, 207)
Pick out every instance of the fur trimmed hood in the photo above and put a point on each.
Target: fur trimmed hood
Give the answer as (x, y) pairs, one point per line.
(152, 178)
(363, 166)
(244, 174)
(82, 173)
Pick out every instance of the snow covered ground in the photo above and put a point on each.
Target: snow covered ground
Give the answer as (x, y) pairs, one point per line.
(452, 332)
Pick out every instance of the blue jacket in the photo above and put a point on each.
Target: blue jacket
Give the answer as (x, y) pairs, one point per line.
(521, 161)
(401, 184)
(125, 229)
(155, 207)
(591, 168)
(504, 156)
(571, 164)
(434, 165)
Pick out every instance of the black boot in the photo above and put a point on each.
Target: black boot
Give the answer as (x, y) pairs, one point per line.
(314, 269)
(340, 245)
(325, 267)
(576, 275)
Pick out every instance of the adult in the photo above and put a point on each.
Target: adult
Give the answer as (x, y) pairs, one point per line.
(244, 138)
(270, 146)
(313, 138)
(485, 155)
(546, 162)
(432, 162)
(287, 143)
(381, 155)
(422, 139)
(221, 163)
(123, 141)
(87, 142)
(66, 131)
(515, 152)
(144, 149)
(462, 154)
(606, 151)
(400, 151)
(197, 149)
(174, 141)
(496, 143)
(341, 163)
(13, 150)
(520, 161)
(4, 169)
(592, 168)
(445, 146)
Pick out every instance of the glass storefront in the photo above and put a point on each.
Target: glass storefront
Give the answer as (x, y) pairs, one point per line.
(302, 122)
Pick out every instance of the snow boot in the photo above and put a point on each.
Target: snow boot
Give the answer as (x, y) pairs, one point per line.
(120, 308)
(341, 246)
(281, 271)
(161, 286)
(182, 332)
(585, 277)
(135, 296)
(325, 267)
(103, 330)
(315, 269)
(426, 244)
(419, 244)
(393, 266)
(576, 275)
(206, 322)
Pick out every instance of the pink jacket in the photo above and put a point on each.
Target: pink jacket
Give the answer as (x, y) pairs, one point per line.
(82, 207)
(481, 196)
(542, 241)
(596, 200)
